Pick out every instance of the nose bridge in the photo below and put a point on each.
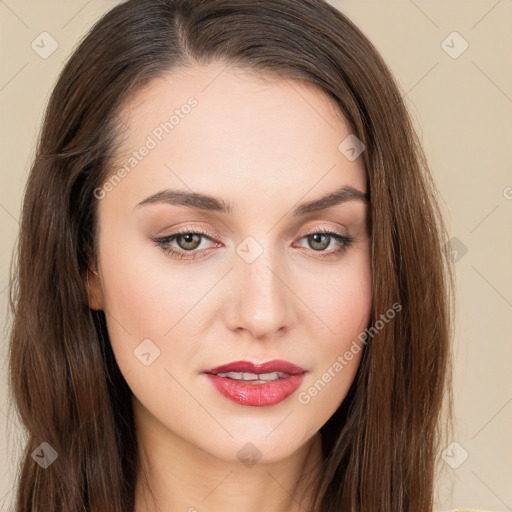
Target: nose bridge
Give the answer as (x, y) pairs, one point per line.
(261, 300)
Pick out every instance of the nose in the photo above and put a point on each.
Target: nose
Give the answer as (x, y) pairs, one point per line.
(261, 302)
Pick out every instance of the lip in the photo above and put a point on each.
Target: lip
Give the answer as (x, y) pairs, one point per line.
(276, 365)
(256, 395)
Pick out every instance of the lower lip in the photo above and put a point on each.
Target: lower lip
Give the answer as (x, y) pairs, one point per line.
(244, 393)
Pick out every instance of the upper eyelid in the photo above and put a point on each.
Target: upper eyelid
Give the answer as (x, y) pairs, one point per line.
(211, 235)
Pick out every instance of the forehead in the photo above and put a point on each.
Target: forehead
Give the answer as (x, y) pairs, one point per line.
(215, 126)
(220, 83)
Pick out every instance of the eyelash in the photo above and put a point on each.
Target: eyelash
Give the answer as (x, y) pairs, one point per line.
(163, 242)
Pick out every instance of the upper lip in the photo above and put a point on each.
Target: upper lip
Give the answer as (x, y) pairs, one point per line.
(276, 365)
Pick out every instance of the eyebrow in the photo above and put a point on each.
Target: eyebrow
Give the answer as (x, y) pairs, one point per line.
(214, 204)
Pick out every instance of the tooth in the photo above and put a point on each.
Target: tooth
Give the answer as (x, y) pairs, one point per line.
(247, 376)
(269, 376)
(234, 375)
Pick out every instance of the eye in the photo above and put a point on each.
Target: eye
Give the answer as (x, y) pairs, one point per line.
(319, 240)
(189, 241)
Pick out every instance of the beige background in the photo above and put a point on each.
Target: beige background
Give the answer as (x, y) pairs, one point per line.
(463, 108)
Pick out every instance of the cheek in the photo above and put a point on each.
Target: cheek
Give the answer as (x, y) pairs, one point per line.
(343, 303)
(135, 304)
(345, 307)
(142, 291)
(148, 298)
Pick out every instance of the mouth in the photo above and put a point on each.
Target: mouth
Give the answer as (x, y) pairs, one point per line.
(255, 384)
(256, 372)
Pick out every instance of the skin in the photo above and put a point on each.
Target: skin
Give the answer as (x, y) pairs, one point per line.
(290, 303)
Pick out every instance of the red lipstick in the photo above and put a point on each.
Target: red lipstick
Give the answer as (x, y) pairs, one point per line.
(255, 384)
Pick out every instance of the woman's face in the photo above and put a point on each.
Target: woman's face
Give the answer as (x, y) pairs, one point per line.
(262, 284)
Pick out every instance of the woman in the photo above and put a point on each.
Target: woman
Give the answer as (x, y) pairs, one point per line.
(232, 287)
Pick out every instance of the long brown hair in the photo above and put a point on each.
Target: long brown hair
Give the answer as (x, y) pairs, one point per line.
(381, 445)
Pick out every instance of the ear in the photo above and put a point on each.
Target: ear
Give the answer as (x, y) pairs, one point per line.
(94, 289)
